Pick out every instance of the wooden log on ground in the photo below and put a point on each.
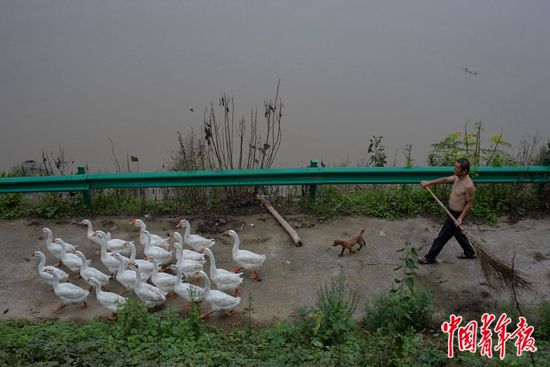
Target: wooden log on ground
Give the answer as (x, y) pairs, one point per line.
(282, 221)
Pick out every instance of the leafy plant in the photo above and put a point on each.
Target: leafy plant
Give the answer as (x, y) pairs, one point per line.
(330, 320)
(377, 152)
(403, 308)
(408, 267)
(470, 145)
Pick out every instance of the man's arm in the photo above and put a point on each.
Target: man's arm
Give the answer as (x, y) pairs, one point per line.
(470, 193)
(438, 181)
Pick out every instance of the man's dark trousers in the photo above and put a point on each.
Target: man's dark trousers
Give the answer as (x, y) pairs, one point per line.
(447, 231)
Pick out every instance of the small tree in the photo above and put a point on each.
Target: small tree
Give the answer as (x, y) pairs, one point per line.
(377, 152)
(469, 145)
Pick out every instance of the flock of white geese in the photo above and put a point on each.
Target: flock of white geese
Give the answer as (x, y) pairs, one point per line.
(119, 258)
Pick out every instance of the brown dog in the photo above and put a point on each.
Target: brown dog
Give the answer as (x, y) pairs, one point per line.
(347, 243)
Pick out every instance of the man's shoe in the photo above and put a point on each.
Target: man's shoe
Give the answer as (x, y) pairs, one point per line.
(422, 260)
(463, 256)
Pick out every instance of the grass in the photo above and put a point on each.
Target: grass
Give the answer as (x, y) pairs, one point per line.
(325, 335)
(391, 202)
(388, 202)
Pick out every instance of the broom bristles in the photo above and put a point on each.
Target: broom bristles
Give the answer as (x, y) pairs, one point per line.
(498, 273)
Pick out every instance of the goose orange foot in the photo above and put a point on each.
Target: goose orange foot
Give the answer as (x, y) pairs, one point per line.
(254, 276)
(59, 307)
(236, 270)
(204, 315)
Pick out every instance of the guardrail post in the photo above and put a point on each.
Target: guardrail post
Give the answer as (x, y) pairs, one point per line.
(86, 197)
(545, 162)
(313, 188)
(546, 159)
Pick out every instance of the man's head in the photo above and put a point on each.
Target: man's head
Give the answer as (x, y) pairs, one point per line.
(462, 167)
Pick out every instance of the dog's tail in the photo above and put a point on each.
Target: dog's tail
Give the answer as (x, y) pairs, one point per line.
(362, 231)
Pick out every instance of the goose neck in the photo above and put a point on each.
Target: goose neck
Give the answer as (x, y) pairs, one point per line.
(41, 261)
(206, 284)
(212, 261)
(49, 236)
(133, 253)
(90, 229)
(187, 229)
(236, 243)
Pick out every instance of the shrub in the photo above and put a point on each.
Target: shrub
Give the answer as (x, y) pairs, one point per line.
(399, 312)
(330, 320)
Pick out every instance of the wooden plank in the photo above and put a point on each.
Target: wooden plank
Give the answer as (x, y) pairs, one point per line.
(293, 234)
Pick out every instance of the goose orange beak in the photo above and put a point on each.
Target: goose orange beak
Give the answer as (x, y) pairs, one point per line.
(133, 221)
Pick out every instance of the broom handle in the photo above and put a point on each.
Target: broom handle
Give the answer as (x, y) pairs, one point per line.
(444, 207)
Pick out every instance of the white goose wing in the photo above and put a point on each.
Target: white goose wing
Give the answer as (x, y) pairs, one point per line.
(151, 294)
(250, 257)
(111, 301)
(61, 275)
(225, 276)
(70, 291)
(94, 273)
(222, 301)
(195, 240)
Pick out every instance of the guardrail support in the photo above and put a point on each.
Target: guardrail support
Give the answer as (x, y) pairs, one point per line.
(313, 188)
(86, 197)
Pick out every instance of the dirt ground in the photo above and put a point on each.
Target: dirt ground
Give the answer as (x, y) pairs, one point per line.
(291, 275)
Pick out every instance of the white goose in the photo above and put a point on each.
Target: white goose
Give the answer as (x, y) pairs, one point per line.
(116, 244)
(54, 248)
(188, 267)
(160, 255)
(109, 300)
(90, 232)
(123, 275)
(156, 240)
(150, 295)
(194, 241)
(163, 281)
(44, 275)
(189, 292)
(184, 253)
(225, 280)
(70, 260)
(88, 272)
(68, 293)
(246, 259)
(107, 258)
(218, 300)
(145, 266)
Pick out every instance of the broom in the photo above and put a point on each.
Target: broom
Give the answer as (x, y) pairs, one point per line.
(497, 272)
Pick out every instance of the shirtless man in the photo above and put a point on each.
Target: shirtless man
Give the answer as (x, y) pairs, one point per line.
(460, 203)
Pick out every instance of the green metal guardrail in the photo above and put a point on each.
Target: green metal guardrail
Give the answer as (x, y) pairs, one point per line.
(312, 175)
